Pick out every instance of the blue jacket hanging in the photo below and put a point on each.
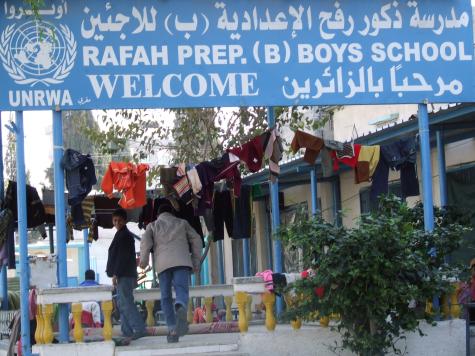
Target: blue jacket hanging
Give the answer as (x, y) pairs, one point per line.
(80, 175)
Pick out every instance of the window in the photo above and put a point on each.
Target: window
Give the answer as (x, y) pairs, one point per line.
(365, 203)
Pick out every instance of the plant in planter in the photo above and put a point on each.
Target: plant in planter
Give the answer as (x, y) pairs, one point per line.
(374, 274)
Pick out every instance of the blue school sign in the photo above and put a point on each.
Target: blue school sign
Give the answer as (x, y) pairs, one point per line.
(191, 53)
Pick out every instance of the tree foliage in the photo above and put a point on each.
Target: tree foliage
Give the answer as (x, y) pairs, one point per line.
(372, 272)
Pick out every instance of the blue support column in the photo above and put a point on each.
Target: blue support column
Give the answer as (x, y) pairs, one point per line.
(442, 167)
(275, 210)
(23, 234)
(428, 200)
(3, 268)
(314, 190)
(87, 258)
(246, 257)
(60, 220)
(219, 247)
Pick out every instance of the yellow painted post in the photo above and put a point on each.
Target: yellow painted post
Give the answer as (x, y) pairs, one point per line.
(269, 302)
(291, 300)
(445, 306)
(190, 311)
(428, 307)
(47, 319)
(324, 321)
(78, 332)
(209, 309)
(107, 310)
(249, 308)
(241, 300)
(149, 304)
(455, 310)
(229, 302)
(39, 325)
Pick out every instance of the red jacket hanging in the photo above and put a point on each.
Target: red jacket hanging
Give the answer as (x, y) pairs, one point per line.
(129, 179)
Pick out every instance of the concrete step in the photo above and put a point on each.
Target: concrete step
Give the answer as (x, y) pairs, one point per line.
(189, 345)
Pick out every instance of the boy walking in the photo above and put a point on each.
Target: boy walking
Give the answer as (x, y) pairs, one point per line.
(177, 252)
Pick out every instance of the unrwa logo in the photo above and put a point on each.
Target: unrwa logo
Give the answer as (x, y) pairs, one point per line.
(38, 52)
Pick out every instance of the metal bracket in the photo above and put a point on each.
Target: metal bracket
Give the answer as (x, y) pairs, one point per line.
(12, 127)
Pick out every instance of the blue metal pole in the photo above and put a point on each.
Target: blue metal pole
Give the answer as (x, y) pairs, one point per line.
(246, 257)
(442, 167)
(427, 179)
(219, 246)
(60, 220)
(3, 271)
(274, 195)
(87, 261)
(23, 234)
(314, 191)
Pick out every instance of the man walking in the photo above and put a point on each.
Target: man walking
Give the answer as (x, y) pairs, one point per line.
(176, 250)
(122, 268)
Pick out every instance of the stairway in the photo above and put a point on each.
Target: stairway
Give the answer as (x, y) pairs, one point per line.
(210, 344)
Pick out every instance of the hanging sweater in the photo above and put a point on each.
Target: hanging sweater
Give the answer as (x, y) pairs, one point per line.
(130, 180)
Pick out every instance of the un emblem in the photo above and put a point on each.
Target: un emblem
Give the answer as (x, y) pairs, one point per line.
(38, 52)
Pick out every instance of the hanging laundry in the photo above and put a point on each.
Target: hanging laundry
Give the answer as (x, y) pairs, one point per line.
(242, 224)
(267, 277)
(334, 145)
(146, 216)
(103, 208)
(273, 151)
(130, 180)
(214, 171)
(251, 153)
(6, 220)
(194, 180)
(82, 213)
(312, 144)
(348, 156)
(223, 214)
(35, 210)
(80, 175)
(400, 156)
(368, 160)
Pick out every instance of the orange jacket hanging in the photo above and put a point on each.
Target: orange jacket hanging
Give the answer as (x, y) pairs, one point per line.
(129, 179)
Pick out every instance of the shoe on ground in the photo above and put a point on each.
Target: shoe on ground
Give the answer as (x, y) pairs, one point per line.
(172, 338)
(182, 321)
(137, 336)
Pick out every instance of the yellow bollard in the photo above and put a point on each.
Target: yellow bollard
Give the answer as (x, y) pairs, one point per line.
(229, 302)
(249, 308)
(209, 309)
(78, 332)
(455, 310)
(445, 306)
(291, 300)
(190, 311)
(241, 300)
(269, 302)
(107, 310)
(39, 325)
(428, 308)
(48, 328)
(324, 321)
(296, 324)
(149, 304)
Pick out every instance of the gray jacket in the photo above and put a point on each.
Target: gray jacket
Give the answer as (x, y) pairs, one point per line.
(174, 242)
